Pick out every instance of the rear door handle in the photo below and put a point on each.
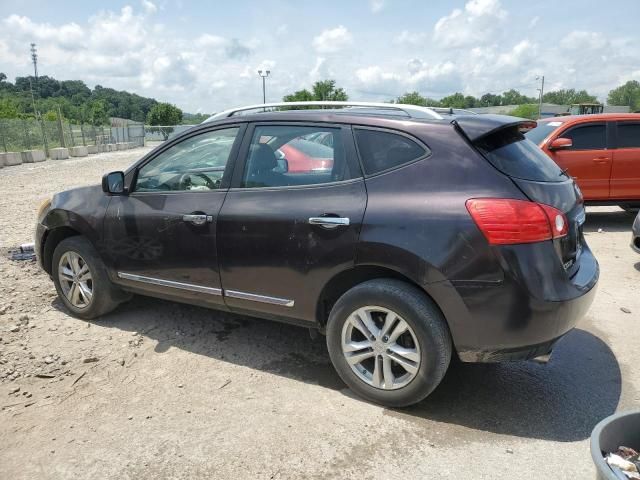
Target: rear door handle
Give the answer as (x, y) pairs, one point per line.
(601, 160)
(329, 222)
(197, 219)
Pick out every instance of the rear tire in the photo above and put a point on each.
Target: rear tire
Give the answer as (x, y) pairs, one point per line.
(81, 279)
(388, 342)
(630, 208)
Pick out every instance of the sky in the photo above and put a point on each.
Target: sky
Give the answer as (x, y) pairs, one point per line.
(203, 56)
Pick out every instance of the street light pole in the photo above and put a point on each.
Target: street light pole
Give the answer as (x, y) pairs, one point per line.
(541, 90)
(264, 74)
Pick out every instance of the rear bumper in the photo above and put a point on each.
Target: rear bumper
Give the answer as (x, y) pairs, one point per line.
(524, 315)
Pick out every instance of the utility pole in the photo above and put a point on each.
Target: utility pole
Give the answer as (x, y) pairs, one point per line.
(34, 59)
(541, 90)
(264, 74)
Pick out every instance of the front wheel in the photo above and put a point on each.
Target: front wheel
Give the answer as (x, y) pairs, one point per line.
(388, 342)
(81, 279)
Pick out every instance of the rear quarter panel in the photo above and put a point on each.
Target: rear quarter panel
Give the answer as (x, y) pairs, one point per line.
(416, 221)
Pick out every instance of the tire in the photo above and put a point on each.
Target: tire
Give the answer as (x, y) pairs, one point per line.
(104, 295)
(630, 208)
(426, 339)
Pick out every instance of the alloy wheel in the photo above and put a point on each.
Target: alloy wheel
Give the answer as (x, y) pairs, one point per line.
(75, 279)
(380, 347)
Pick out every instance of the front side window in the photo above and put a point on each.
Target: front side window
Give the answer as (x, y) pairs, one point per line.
(587, 137)
(381, 150)
(290, 155)
(195, 164)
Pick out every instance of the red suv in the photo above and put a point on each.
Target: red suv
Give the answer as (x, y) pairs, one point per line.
(601, 152)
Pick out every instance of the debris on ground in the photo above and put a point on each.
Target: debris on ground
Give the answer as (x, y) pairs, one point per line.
(625, 463)
(625, 309)
(26, 251)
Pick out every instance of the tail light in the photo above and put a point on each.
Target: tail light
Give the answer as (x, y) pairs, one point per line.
(505, 221)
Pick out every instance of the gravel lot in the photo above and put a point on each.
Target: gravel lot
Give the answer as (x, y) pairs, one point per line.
(161, 390)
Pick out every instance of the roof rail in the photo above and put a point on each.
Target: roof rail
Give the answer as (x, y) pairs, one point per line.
(412, 111)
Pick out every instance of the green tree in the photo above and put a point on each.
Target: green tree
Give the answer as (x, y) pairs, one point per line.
(165, 114)
(490, 100)
(627, 94)
(457, 100)
(568, 96)
(323, 90)
(525, 110)
(98, 113)
(8, 108)
(414, 98)
(514, 97)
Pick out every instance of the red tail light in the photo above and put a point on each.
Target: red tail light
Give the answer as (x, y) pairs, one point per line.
(505, 221)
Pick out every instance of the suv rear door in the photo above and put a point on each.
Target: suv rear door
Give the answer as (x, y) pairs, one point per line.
(625, 173)
(283, 232)
(588, 160)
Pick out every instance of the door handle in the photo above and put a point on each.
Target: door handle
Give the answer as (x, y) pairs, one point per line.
(329, 222)
(197, 219)
(601, 160)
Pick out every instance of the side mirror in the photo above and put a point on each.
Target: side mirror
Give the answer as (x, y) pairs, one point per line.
(560, 143)
(283, 166)
(113, 183)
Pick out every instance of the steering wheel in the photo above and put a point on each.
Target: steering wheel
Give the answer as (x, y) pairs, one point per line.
(185, 181)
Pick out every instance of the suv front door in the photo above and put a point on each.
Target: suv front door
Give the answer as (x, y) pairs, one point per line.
(588, 160)
(287, 226)
(161, 236)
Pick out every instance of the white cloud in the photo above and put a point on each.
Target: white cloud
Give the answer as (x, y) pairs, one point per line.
(332, 40)
(411, 38)
(376, 5)
(534, 21)
(471, 26)
(149, 6)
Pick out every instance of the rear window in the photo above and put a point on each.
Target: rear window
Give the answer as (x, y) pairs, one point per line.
(542, 131)
(628, 135)
(381, 150)
(513, 154)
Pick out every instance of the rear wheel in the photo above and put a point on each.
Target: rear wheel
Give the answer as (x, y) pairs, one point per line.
(630, 208)
(388, 342)
(81, 279)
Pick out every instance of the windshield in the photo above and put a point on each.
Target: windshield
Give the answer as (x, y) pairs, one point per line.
(542, 131)
(513, 154)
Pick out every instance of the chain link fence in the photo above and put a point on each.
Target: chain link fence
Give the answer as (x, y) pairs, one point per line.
(30, 134)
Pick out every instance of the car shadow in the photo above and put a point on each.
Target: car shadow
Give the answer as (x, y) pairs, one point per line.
(608, 221)
(561, 400)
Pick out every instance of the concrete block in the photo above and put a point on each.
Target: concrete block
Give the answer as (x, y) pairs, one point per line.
(59, 153)
(92, 149)
(111, 147)
(78, 151)
(103, 148)
(122, 146)
(32, 156)
(10, 158)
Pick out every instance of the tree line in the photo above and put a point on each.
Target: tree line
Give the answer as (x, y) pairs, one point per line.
(627, 94)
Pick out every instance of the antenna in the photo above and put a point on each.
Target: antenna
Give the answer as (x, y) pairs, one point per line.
(34, 59)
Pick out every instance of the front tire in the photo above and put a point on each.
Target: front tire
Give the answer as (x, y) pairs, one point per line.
(388, 342)
(81, 279)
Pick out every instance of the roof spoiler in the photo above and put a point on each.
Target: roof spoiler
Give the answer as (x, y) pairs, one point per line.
(476, 127)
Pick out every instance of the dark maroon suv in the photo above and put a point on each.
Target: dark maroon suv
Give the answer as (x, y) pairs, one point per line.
(432, 234)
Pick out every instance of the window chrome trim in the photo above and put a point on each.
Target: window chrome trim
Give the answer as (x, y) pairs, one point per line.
(283, 302)
(168, 283)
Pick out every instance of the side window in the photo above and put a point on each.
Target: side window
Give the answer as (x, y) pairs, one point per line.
(195, 164)
(381, 150)
(587, 137)
(628, 135)
(288, 155)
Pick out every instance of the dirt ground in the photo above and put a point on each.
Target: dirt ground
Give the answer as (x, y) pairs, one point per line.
(162, 390)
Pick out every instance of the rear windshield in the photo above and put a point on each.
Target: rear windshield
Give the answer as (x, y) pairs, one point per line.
(513, 154)
(542, 131)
